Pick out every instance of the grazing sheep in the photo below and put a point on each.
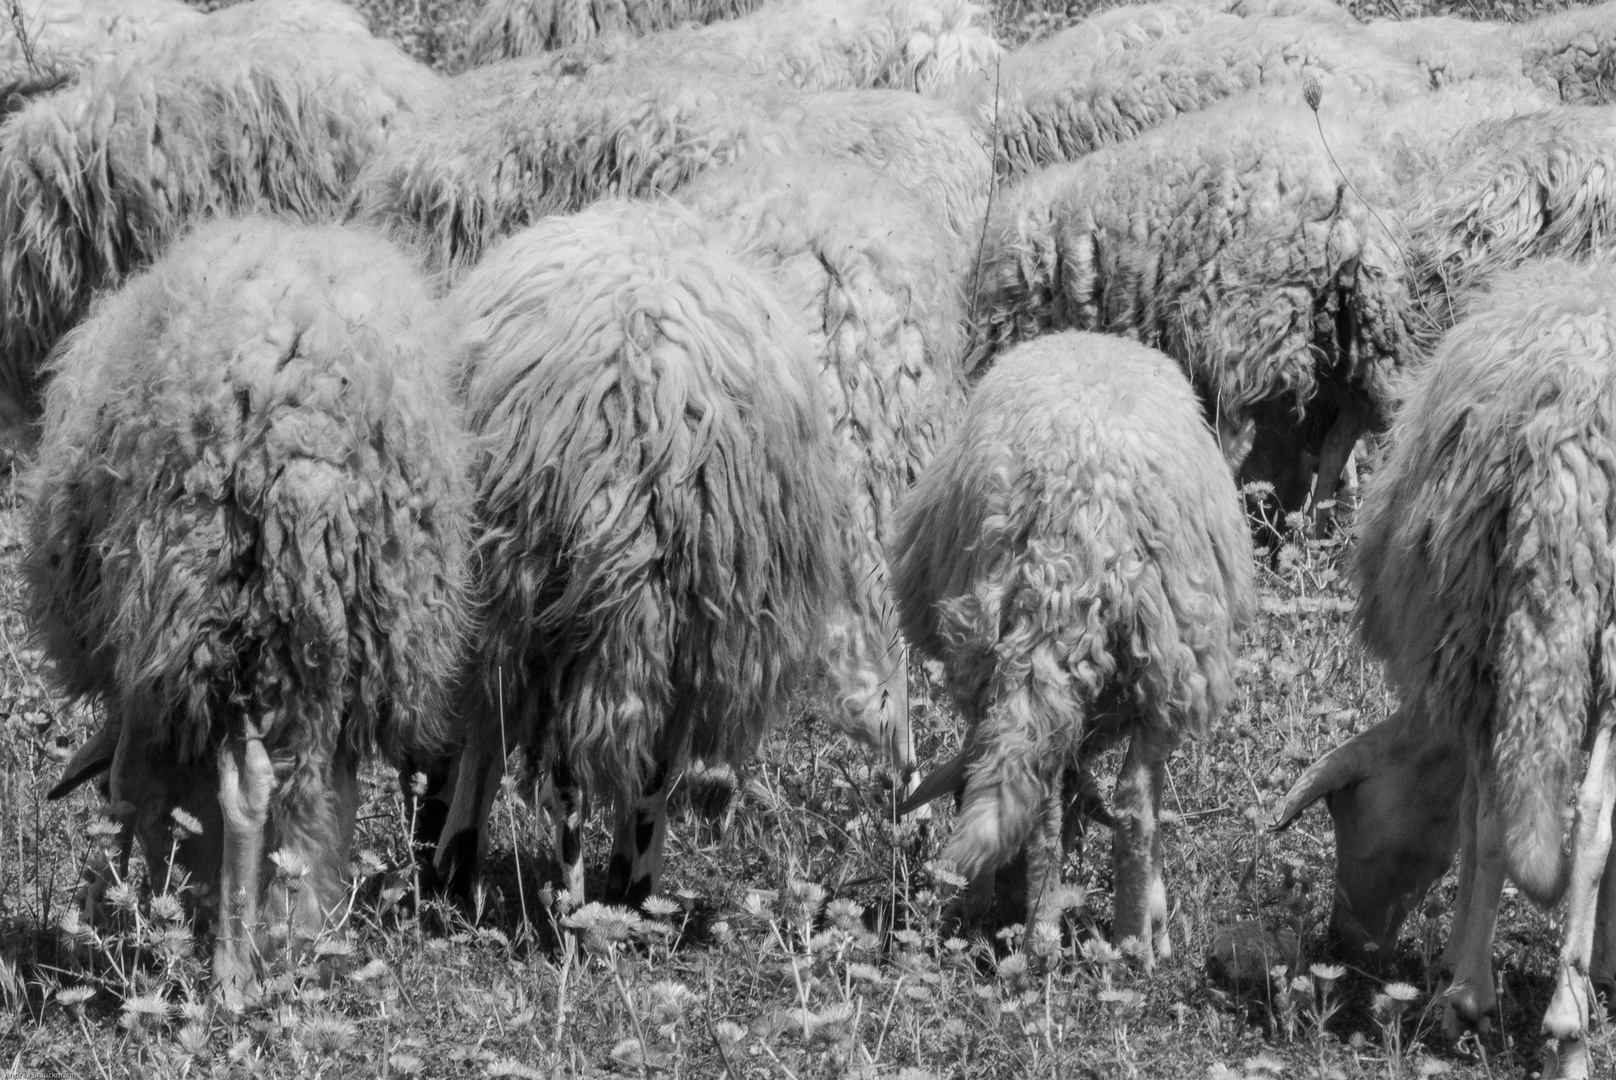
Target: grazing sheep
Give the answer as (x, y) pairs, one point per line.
(658, 509)
(1488, 587)
(1077, 558)
(1053, 101)
(811, 44)
(515, 146)
(877, 281)
(248, 543)
(96, 179)
(1232, 242)
(507, 29)
(1508, 191)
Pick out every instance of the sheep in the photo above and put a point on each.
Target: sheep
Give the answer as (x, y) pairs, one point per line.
(658, 507)
(1231, 241)
(1056, 101)
(516, 145)
(812, 44)
(507, 29)
(97, 178)
(1077, 558)
(878, 281)
(249, 541)
(1486, 582)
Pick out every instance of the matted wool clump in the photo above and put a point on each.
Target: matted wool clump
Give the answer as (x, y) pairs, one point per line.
(249, 538)
(1077, 558)
(517, 144)
(816, 44)
(62, 36)
(1056, 101)
(506, 29)
(878, 281)
(97, 179)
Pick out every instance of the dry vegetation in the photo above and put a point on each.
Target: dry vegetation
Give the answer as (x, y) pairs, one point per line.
(799, 935)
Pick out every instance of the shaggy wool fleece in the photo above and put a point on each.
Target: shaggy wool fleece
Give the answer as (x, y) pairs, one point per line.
(658, 497)
(1079, 533)
(877, 280)
(1229, 240)
(1060, 99)
(921, 45)
(251, 500)
(97, 179)
(1509, 191)
(507, 29)
(1485, 554)
(517, 144)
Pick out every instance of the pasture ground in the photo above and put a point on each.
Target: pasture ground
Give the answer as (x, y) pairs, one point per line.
(799, 938)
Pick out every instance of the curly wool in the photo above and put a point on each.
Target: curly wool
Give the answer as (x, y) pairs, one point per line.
(251, 496)
(1485, 552)
(517, 145)
(1078, 535)
(97, 179)
(877, 281)
(1056, 101)
(657, 500)
(811, 44)
(1229, 240)
(1515, 189)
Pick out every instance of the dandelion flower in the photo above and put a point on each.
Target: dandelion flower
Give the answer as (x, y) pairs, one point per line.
(104, 828)
(660, 906)
(141, 1007)
(865, 973)
(289, 865)
(167, 908)
(1327, 973)
(185, 824)
(512, 1067)
(327, 1034)
(73, 997)
(843, 912)
(333, 947)
(729, 1033)
(1013, 966)
(408, 1064)
(373, 970)
(1401, 991)
(193, 1039)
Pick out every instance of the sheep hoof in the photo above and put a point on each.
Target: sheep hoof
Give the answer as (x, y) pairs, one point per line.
(1466, 1011)
(1566, 1060)
(1567, 1016)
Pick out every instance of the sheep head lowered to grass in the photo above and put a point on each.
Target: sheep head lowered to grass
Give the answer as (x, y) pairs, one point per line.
(1488, 587)
(248, 542)
(1076, 557)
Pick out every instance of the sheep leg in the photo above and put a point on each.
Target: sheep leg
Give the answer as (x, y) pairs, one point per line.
(567, 820)
(1044, 854)
(1567, 1016)
(1339, 443)
(1141, 897)
(1473, 996)
(1464, 900)
(313, 821)
(465, 831)
(1603, 967)
(635, 870)
(246, 781)
(428, 786)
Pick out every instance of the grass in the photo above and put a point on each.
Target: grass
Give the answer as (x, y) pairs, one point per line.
(798, 937)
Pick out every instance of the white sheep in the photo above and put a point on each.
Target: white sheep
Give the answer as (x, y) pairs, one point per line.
(812, 44)
(1487, 582)
(877, 280)
(96, 179)
(249, 538)
(1077, 557)
(659, 508)
(1233, 242)
(516, 145)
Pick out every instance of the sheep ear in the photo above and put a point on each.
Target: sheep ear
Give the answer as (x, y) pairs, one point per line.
(948, 780)
(1344, 766)
(91, 760)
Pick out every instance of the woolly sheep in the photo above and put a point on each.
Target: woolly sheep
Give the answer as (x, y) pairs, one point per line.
(1052, 102)
(1231, 241)
(877, 280)
(1077, 558)
(516, 145)
(96, 179)
(248, 542)
(811, 44)
(1486, 582)
(507, 29)
(658, 510)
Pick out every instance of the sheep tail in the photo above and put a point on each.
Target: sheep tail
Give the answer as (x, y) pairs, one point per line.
(1546, 658)
(1015, 761)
